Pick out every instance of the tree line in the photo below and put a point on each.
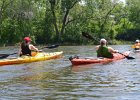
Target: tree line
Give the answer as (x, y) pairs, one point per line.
(63, 21)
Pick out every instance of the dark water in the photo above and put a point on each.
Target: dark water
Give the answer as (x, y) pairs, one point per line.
(58, 80)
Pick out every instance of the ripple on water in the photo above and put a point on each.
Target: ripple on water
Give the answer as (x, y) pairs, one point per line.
(58, 80)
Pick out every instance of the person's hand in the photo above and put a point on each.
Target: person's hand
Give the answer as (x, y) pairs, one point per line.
(39, 50)
(116, 51)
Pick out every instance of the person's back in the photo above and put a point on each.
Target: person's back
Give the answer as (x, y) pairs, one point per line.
(25, 49)
(104, 51)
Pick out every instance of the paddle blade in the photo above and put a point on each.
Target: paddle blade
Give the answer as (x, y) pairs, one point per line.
(87, 35)
(128, 57)
(3, 56)
(52, 46)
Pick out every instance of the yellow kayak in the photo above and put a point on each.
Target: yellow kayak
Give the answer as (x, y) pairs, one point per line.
(40, 56)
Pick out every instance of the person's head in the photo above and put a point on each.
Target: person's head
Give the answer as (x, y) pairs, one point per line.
(137, 41)
(103, 41)
(27, 39)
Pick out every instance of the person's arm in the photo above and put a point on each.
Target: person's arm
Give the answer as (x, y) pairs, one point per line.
(33, 48)
(112, 50)
(19, 51)
(97, 47)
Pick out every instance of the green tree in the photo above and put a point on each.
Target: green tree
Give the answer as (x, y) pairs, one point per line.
(60, 10)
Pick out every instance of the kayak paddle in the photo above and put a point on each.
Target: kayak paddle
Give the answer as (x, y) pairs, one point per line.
(6, 55)
(51, 47)
(88, 36)
(2, 56)
(128, 57)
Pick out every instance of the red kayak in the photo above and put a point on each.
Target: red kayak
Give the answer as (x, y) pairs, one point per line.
(90, 60)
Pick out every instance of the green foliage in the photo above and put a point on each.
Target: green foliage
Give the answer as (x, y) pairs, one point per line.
(51, 21)
(129, 35)
(134, 8)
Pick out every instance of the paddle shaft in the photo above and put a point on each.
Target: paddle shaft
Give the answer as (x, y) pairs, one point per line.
(7, 54)
(128, 57)
(51, 47)
(92, 38)
(2, 56)
(87, 35)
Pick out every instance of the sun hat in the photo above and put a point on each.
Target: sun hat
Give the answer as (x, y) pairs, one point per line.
(137, 41)
(103, 40)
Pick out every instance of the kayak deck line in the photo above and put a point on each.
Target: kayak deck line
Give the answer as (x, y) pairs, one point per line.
(41, 56)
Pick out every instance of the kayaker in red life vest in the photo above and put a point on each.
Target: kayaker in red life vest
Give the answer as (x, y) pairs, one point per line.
(104, 51)
(26, 48)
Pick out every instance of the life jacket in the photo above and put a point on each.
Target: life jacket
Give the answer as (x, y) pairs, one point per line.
(137, 46)
(103, 52)
(25, 49)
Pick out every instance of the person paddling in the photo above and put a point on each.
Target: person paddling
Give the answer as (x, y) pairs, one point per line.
(137, 45)
(104, 51)
(26, 48)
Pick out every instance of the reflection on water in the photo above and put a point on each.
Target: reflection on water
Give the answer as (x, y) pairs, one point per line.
(58, 79)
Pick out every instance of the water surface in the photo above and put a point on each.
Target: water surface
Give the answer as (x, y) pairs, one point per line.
(59, 80)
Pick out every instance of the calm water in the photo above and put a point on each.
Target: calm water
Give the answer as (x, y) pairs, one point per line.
(58, 80)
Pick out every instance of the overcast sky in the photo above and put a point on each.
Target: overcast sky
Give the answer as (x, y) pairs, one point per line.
(122, 0)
